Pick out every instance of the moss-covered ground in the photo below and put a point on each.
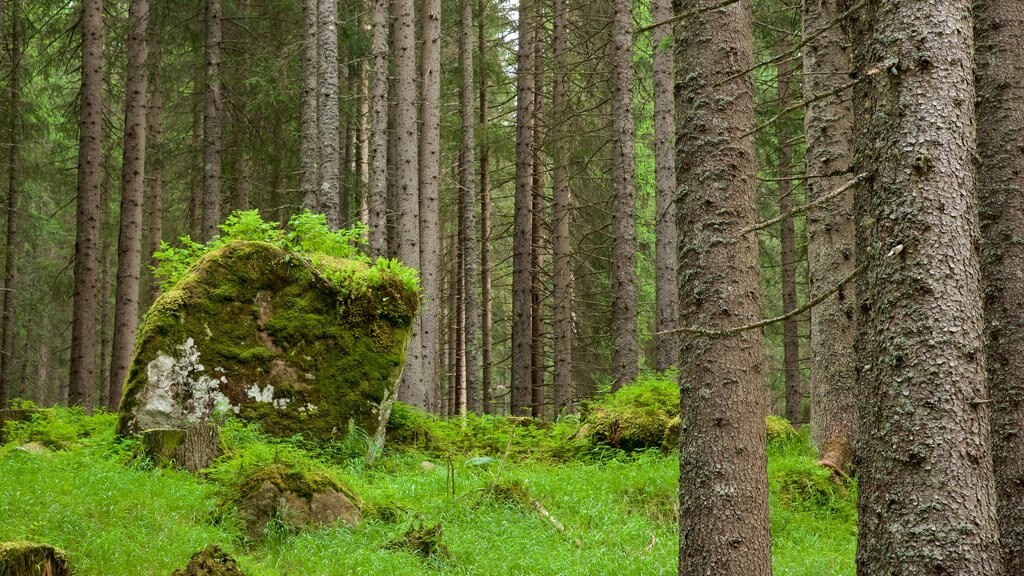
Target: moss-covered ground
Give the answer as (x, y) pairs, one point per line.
(114, 514)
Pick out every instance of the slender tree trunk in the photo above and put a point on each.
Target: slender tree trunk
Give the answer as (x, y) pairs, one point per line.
(927, 502)
(666, 292)
(625, 343)
(378, 181)
(429, 191)
(485, 224)
(537, 231)
(723, 490)
(105, 321)
(309, 154)
(213, 142)
(363, 137)
(999, 72)
(561, 265)
(13, 194)
(828, 126)
(155, 137)
(195, 197)
(453, 327)
(133, 168)
(460, 315)
(790, 326)
(467, 166)
(522, 237)
(328, 117)
(82, 381)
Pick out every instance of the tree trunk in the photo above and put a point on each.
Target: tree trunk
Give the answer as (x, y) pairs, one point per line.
(467, 165)
(486, 391)
(133, 168)
(787, 241)
(666, 292)
(309, 175)
(328, 118)
(828, 128)
(561, 265)
(13, 194)
(377, 192)
(927, 501)
(82, 380)
(363, 138)
(195, 196)
(999, 73)
(537, 231)
(213, 142)
(522, 237)
(429, 202)
(723, 502)
(155, 136)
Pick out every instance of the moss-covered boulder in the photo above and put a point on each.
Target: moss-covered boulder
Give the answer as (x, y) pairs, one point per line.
(31, 559)
(211, 561)
(300, 343)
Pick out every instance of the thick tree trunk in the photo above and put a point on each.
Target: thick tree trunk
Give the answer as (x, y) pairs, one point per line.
(328, 117)
(522, 237)
(82, 381)
(13, 194)
(828, 128)
(625, 345)
(213, 143)
(666, 291)
(927, 502)
(999, 72)
(467, 165)
(377, 192)
(787, 241)
(309, 175)
(723, 489)
(429, 197)
(561, 213)
(133, 168)
(486, 392)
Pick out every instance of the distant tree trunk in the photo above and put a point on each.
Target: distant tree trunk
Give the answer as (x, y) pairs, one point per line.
(378, 181)
(467, 166)
(195, 197)
(666, 292)
(828, 126)
(155, 136)
(522, 237)
(790, 326)
(363, 137)
(460, 315)
(453, 327)
(561, 214)
(723, 489)
(309, 175)
(107, 235)
(213, 143)
(485, 225)
(328, 118)
(999, 72)
(625, 345)
(82, 380)
(13, 194)
(537, 231)
(133, 168)
(429, 202)
(927, 502)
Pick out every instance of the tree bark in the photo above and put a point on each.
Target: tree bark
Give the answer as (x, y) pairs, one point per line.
(309, 154)
(467, 164)
(537, 359)
(13, 194)
(155, 137)
(723, 508)
(133, 168)
(927, 502)
(487, 395)
(429, 198)
(625, 343)
(787, 241)
(82, 383)
(213, 142)
(828, 128)
(666, 292)
(378, 180)
(561, 265)
(999, 73)
(328, 117)
(195, 196)
(522, 237)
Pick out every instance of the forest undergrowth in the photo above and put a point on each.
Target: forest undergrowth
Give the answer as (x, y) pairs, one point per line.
(67, 481)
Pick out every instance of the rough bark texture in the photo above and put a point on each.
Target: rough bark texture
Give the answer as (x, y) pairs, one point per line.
(213, 142)
(328, 116)
(561, 206)
(537, 291)
(429, 198)
(999, 73)
(467, 163)
(309, 176)
(927, 501)
(828, 129)
(625, 345)
(378, 180)
(87, 221)
(521, 236)
(155, 138)
(486, 391)
(723, 489)
(10, 264)
(415, 389)
(787, 242)
(666, 293)
(133, 168)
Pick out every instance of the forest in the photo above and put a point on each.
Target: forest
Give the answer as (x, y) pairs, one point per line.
(695, 287)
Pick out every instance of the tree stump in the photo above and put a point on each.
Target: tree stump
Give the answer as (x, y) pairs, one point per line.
(31, 559)
(192, 449)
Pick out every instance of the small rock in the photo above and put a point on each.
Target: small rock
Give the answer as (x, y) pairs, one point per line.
(428, 466)
(211, 561)
(34, 448)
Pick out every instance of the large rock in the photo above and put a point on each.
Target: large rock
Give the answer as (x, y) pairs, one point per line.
(299, 344)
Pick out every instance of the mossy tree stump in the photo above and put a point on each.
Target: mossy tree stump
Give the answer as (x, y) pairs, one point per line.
(31, 559)
(192, 449)
(211, 561)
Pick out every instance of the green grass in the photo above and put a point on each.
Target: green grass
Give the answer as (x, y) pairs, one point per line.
(114, 515)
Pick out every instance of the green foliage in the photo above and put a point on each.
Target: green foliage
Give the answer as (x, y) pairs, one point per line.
(60, 428)
(779, 429)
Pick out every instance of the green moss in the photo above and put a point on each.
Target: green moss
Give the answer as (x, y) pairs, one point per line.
(305, 483)
(628, 428)
(779, 429)
(30, 559)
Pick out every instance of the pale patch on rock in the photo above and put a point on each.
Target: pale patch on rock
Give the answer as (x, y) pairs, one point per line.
(178, 392)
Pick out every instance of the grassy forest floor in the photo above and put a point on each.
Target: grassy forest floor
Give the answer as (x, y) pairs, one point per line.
(115, 514)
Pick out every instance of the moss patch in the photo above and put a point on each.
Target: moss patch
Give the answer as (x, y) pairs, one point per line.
(31, 559)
